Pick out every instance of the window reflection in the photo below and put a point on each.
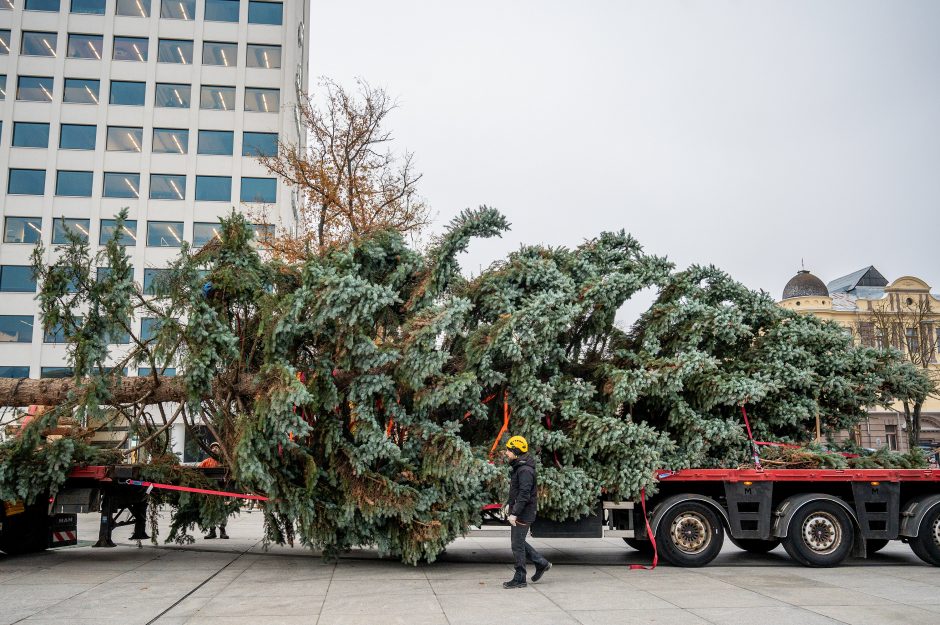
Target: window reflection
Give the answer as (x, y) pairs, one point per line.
(127, 236)
(222, 10)
(167, 187)
(133, 8)
(172, 95)
(62, 227)
(22, 229)
(73, 183)
(268, 57)
(178, 9)
(121, 185)
(164, 233)
(77, 136)
(175, 51)
(170, 140)
(39, 44)
(130, 49)
(219, 53)
(4, 41)
(81, 91)
(84, 47)
(124, 139)
(216, 142)
(262, 100)
(259, 144)
(34, 89)
(203, 232)
(128, 93)
(217, 98)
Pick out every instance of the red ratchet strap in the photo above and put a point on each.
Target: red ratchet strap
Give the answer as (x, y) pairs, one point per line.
(186, 489)
(505, 427)
(649, 532)
(755, 453)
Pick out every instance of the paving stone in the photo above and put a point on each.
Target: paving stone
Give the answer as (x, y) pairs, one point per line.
(884, 614)
(787, 615)
(712, 598)
(590, 599)
(662, 616)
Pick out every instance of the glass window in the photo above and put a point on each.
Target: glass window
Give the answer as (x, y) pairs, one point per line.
(38, 44)
(61, 227)
(128, 93)
(16, 328)
(145, 371)
(214, 188)
(268, 57)
(27, 182)
(30, 135)
(84, 46)
(6, 5)
(175, 51)
(56, 372)
(167, 186)
(153, 279)
(217, 98)
(77, 136)
(216, 142)
(17, 279)
(178, 9)
(130, 49)
(94, 7)
(133, 8)
(265, 12)
(3, 87)
(42, 5)
(81, 91)
(121, 185)
(73, 183)
(56, 334)
(221, 10)
(259, 190)
(34, 89)
(263, 100)
(149, 326)
(127, 236)
(5, 41)
(124, 139)
(171, 140)
(164, 233)
(14, 371)
(262, 232)
(172, 96)
(203, 232)
(259, 144)
(219, 53)
(22, 230)
(121, 338)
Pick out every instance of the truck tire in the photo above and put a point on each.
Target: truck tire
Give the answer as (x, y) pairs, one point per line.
(926, 545)
(643, 546)
(820, 534)
(755, 545)
(874, 545)
(690, 535)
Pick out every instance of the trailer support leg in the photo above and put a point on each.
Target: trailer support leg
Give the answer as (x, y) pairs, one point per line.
(107, 523)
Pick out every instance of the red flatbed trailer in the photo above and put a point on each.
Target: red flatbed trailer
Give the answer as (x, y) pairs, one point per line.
(820, 516)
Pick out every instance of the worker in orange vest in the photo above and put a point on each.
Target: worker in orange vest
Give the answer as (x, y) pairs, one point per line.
(215, 449)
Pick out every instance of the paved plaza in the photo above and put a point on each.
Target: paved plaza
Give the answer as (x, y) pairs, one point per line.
(237, 581)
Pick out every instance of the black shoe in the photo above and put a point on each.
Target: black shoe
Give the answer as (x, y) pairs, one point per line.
(514, 583)
(210, 535)
(540, 571)
(223, 535)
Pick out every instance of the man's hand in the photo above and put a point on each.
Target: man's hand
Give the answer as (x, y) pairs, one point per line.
(512, 520)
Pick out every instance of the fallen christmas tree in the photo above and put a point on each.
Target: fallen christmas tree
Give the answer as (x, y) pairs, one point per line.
(365, 388)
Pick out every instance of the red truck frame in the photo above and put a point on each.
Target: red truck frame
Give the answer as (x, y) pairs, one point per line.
(820, 516)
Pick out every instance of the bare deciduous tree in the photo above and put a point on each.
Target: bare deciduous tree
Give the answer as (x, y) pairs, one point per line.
(352, 183)
(909, 324)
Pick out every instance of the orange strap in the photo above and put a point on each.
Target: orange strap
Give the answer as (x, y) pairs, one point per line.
(505, 427)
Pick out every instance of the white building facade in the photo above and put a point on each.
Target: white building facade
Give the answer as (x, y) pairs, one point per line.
(160, 106)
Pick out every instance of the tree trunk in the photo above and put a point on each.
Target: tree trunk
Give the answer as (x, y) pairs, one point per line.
(914, 425)
(139, 390)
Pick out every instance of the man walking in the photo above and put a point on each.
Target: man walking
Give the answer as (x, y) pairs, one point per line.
(521, 509)
(212, 463)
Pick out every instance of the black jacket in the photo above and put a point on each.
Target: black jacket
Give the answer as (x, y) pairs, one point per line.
(522, 489)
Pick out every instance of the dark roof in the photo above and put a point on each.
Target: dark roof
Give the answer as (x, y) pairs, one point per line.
(869, 276)
(804, 284)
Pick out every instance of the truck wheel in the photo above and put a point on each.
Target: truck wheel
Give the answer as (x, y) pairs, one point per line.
(643, 546)
(820, 534)
(755, 545)
(874, 545)
(927, 543)
(690, 535)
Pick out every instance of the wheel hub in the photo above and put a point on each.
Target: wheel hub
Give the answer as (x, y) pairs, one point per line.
(936, 531)
(690, 532)
(822, 533)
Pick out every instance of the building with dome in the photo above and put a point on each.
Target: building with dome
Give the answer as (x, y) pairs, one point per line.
(903, 314)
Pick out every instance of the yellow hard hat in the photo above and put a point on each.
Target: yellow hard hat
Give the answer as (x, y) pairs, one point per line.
(517, 444)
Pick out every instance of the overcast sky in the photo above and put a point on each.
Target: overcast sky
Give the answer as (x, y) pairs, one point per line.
(746, 134)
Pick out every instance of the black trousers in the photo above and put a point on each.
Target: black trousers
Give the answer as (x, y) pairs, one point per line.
(521, 550)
